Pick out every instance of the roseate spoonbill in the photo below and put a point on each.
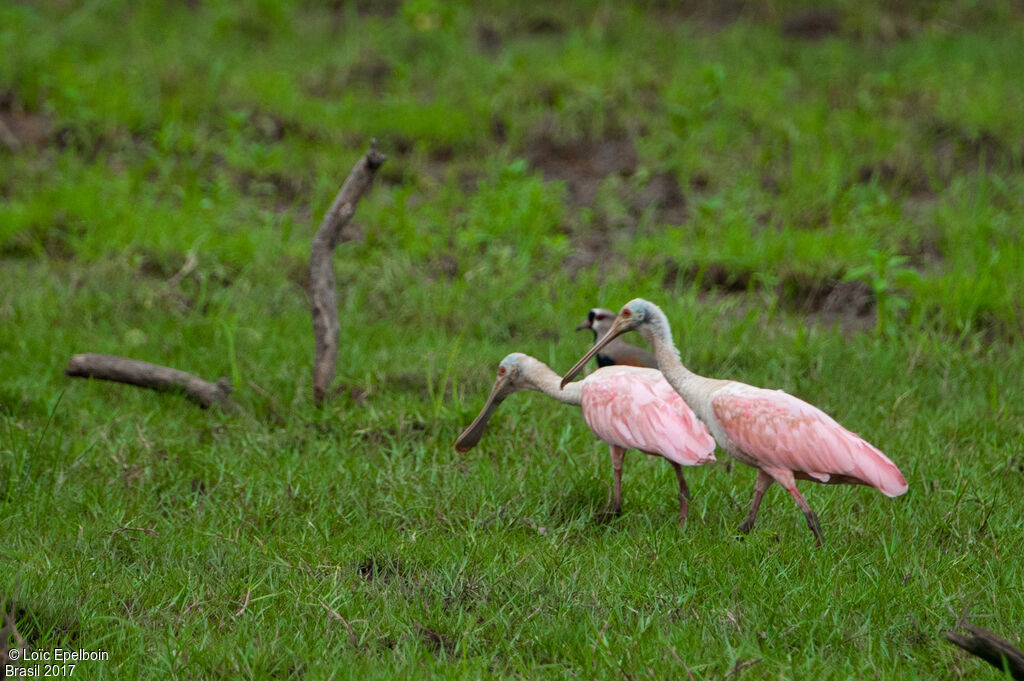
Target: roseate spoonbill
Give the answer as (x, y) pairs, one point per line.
(781, 436)
(627, 407)
(618, 351)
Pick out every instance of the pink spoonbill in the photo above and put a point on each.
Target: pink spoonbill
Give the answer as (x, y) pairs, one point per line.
(617, 351)
(781, 436)
(627, 407)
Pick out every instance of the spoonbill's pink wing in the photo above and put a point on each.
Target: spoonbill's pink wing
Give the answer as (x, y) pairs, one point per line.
(636, 408)
(782, 431)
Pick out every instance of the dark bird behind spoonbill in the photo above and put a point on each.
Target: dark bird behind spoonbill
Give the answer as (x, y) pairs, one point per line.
(617, 352)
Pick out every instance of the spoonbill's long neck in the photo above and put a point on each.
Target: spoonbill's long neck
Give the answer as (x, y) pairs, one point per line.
(542, 378)
(693, 388)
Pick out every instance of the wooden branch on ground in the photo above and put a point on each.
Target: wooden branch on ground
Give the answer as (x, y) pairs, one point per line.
(8, 629)
(153, 376)
(321, 269)
(991, 648)
(8, 137)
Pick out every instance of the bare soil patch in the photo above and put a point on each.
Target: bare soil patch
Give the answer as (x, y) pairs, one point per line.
(826, 295)
(710, 277)
(708, 14)
(825, 299)
(435, 640)
(160, 265)
(812, 24)
(582, 162)
(285, 190)
(951, 151)
(54, 241)
(370, 71)
(21, 129)
(382, 570)
(897, 178)
(956, 149)
(663, 194)
(489, 40)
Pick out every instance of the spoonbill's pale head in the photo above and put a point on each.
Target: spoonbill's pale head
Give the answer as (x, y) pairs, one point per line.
(510, 379)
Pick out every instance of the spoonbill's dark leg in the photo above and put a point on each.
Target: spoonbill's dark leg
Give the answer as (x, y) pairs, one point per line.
(684, 495)
(812, 517)
(618, 454)
(764, 481)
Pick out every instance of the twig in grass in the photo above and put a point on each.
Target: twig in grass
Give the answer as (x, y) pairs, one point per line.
(352, 638)
(191, 261)
(740, 666)
(533, 614)
(188, 609)
(997, 651)
(245, 603)
(152, 376)
(148, 531)
(689, 674)
(8, 630)
(321, 269)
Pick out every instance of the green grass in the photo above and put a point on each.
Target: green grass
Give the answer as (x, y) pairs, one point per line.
(194, 544)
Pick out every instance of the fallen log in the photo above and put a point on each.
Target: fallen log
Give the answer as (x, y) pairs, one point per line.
(321, 269)
(152, 376)
(997, 651)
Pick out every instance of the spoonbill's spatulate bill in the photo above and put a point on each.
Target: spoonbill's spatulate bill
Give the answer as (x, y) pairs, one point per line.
(627, 407)
(617, 352)
(778, 434)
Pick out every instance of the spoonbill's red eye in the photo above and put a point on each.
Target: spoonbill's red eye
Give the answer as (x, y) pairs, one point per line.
(501, 370)
(601, 316)
(626, 312)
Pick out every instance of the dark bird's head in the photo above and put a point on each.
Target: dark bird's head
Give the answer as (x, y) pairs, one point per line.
(636, 315)
(599, 320)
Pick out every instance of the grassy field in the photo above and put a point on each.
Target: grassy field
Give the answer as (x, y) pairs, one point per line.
(828, 202)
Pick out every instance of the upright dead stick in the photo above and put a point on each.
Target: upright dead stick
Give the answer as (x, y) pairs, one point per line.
(321, 269)
(153, 376)
(991, 648)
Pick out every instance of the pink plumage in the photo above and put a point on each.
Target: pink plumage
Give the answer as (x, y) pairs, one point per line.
(636, 408)
(781, 436)
(783, 432)
(627, 407)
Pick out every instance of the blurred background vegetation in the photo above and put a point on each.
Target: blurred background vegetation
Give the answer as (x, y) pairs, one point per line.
(771, 147)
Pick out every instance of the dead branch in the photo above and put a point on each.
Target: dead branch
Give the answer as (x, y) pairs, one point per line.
(689, 674)
(352, 638)
(7, 136)
(191, 262)
(8, 630)
(740, 666)
(153, 376)
(148, 531)
(245, 603)
(991, 648)
(321, 269)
